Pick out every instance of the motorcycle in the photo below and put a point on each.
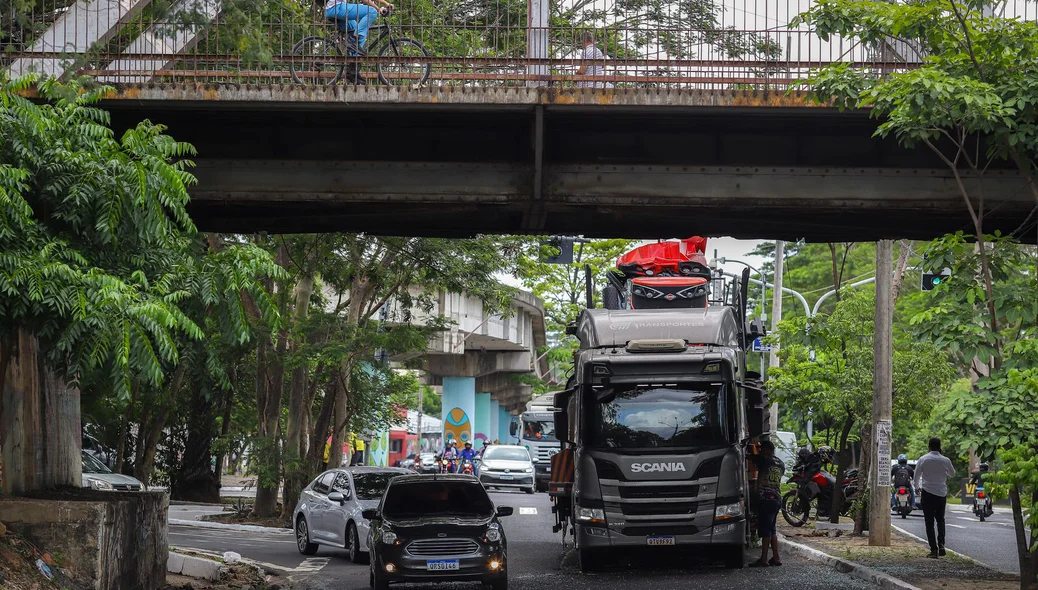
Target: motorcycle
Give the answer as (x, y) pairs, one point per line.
(448, 466)
(982, 504)
(467, 468)
(815, 485)
(901, 504)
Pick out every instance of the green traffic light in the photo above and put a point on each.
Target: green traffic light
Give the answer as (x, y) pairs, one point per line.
(937, 280)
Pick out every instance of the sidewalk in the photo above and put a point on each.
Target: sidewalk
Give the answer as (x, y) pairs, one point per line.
(905, 560)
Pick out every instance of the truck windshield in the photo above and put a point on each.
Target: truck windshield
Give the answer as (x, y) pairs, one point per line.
(538, 430)
(650, 416)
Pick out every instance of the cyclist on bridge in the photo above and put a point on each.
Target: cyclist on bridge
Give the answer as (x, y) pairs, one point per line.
(356, 18)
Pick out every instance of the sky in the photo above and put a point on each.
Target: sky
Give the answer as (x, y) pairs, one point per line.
(725, 247)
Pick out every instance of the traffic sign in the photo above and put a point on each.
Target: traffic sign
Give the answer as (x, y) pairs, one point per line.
(759, 346)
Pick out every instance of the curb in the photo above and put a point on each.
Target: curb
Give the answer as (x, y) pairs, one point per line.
(248, 528)
(955, 553)
(194, 567)
(850, 568)
(184, 503)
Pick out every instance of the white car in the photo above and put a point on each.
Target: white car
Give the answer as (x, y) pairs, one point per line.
(97, 476)
(329, 509)
(507, 466)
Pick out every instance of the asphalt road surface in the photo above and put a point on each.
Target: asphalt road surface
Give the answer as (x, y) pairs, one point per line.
(992, 542)
(537, 561)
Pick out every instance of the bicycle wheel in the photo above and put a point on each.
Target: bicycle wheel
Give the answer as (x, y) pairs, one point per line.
(317, 62)
(404, 71)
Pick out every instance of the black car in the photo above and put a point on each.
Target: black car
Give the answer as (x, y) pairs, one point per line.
(437, 528)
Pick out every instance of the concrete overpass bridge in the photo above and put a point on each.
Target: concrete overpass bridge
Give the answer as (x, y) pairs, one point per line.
(697, 141)
(475, 364)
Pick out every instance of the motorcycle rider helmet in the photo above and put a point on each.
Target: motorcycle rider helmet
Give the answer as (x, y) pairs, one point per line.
(827, 454)
(902, 459)
(984, 467)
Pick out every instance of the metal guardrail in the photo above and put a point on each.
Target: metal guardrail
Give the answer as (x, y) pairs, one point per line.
(707, 44)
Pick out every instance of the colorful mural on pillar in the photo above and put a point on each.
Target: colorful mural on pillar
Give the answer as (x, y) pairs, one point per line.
(379, 456)
(457, 427)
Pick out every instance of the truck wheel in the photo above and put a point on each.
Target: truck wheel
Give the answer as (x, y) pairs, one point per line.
(734, 558)
(588, 560)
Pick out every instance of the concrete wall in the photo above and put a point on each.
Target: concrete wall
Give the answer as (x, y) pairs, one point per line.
(106, 540)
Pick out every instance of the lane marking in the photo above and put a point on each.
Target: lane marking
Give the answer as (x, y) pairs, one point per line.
(526, 510)
(956, 526)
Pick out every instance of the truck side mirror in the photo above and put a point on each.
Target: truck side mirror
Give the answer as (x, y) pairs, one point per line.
(513, 428)
(571, 329)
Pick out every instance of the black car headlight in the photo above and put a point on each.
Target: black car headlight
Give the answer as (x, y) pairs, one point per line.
(494, 533)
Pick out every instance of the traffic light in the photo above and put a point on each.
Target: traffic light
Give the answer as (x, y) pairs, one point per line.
(564, 247)
(932, 279)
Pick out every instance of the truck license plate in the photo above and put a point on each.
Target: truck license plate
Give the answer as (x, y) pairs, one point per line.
(657, 541)
(441, 565)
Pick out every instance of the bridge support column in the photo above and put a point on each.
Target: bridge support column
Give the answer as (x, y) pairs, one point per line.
(459, 408)
(537, 39)
(495, 420)
(504, 419)
(481, 425)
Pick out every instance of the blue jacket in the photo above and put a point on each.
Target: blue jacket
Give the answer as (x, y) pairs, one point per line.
(467, 454)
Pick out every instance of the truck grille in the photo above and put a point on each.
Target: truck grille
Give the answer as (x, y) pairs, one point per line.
(438, 547)
(675, 509)
(661, 491)
(642, 531)
(544, 453)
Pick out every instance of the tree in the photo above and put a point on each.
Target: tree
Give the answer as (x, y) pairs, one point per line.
(562, 289)
(90, 226)
(837, 384)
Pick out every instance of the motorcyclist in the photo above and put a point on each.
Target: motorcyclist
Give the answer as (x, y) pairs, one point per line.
(449, 456)
(901, 475)
(469, 454)
(977, 477)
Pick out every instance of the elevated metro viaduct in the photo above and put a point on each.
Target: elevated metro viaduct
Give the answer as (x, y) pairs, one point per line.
(647, 163)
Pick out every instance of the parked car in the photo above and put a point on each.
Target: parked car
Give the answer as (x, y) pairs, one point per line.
(507, 466)
(427, 464)
(437, 528)
(97, 450)
(329, 511)
(408, 462)
(97, 476)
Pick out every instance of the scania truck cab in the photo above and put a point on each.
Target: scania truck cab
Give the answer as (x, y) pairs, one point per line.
(656, 424)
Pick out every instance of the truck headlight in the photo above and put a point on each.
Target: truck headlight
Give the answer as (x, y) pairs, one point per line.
(590, 514)
(99, 484)
(388, 537)
(726, 511)
(493, 533)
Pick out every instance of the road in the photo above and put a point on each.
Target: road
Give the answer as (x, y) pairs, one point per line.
(536, 557)
(992, 542)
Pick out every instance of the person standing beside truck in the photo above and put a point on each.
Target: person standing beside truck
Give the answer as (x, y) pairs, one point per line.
(769, 477)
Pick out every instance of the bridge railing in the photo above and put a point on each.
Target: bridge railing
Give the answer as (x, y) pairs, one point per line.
(707, 44)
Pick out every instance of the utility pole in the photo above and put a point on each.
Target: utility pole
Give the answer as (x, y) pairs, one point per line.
(421, 400)
(776, 316)
(882, 384)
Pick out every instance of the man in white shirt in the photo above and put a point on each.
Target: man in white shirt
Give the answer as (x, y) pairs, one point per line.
(931, 479)
(591, 53)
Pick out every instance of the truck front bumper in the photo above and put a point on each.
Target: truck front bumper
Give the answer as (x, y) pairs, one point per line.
(727, 533)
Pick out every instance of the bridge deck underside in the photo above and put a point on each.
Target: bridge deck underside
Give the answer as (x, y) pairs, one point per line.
(599, 170)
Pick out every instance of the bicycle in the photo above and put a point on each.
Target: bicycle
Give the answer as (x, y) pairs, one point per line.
(322, 57)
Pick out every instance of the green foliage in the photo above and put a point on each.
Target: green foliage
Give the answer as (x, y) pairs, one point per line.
(87, 226)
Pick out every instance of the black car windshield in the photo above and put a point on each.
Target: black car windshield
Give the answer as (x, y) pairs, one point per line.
(371, 486)
(506, 454)
(665, 415)
(92, 465)
(437, 498)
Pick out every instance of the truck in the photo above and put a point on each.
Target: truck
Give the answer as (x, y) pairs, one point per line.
(535, 430)
(659, 418)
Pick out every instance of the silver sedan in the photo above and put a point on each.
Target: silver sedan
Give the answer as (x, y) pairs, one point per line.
(329, 509)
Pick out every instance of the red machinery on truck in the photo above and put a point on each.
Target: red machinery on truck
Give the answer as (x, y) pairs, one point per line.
(672, 274)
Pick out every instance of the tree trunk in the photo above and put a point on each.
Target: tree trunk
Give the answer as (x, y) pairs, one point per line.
(841, 470)
(196, 480)
(295, 437)
(902, 266)
(862, 517)
(225, 427)
(124, 427)
(41, 422)
(1028, 559)
(148, 443)
(359, 293)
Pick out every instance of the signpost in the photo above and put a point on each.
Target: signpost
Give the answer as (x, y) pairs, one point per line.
(759, 346)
